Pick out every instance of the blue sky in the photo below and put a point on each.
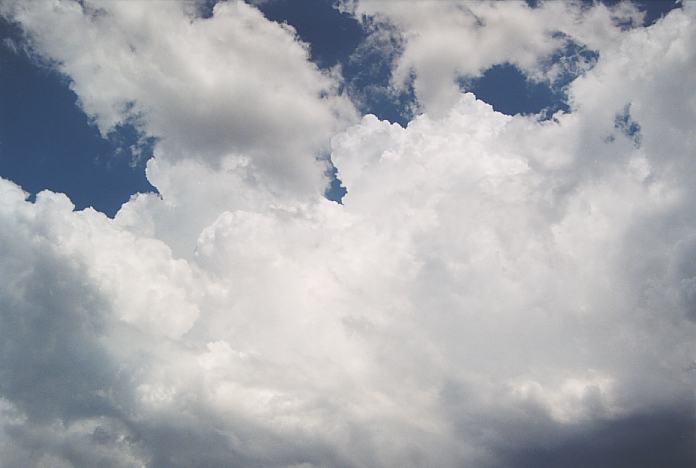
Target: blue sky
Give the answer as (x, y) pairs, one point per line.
(47, 142)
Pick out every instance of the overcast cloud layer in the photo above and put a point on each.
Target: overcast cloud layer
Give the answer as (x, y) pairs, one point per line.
(494, 291)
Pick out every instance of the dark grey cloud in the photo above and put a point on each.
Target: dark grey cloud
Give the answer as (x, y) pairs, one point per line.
(651, 439)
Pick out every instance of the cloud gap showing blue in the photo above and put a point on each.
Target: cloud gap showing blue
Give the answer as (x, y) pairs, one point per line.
(337, 38)
(653, 9)
(48, 143)
(332, 37)
(331, 34)
(510, 92)
(630, 128)
(368, 74)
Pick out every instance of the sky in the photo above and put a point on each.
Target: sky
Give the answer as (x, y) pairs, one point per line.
(352, 233)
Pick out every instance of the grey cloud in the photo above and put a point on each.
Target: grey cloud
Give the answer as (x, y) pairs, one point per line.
(52, 319)
(494, 291)
(650, 439)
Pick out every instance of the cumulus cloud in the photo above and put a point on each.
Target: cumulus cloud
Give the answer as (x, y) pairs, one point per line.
(495, 291)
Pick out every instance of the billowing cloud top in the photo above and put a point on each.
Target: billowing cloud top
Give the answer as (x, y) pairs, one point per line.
(494, 291)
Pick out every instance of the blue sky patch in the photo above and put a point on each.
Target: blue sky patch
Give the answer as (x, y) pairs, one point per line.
(510, 92)
(47, 142)
(629, 127)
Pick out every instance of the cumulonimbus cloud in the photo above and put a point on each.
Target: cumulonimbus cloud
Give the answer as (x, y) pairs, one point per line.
(494, 290)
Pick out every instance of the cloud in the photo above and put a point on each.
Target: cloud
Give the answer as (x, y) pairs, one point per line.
(494, 291)
(449, 40)
(232, 86)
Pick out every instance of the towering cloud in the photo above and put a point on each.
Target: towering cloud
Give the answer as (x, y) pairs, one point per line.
(494, 291)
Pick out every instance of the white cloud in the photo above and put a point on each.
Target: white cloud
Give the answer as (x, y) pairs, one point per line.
(232, 86)
(491, 285)
(449, 40)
